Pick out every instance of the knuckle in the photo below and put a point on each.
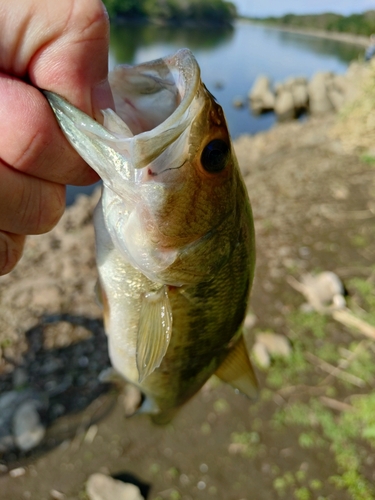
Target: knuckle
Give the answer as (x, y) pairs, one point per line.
(28, 151)
(51, 207)
(41, 207)
(11, 247)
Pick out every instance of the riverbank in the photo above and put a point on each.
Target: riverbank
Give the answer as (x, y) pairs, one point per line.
(313, 208)
(362, 41)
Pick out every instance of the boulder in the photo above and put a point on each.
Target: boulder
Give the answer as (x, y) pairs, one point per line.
(261, 96)
(300, 96)
(284, 105)
(318, 95)
(337, 99)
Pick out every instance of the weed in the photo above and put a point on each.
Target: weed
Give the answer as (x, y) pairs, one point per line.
(345, 429)
(367, 158)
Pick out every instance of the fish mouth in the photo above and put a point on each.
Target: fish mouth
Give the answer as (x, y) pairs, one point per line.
(155, 106)
(156, 100)
(157, 93)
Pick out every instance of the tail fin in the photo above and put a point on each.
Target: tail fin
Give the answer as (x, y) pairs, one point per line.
(237, 370)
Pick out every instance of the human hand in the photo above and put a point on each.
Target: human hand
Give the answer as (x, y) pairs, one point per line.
(61, 47)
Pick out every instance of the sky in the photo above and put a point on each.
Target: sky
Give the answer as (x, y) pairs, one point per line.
(279, 7)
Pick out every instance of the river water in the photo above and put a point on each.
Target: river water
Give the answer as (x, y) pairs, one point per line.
(231, 60)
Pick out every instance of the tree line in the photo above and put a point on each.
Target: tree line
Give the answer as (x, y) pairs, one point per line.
(173, 11)
(357, 24)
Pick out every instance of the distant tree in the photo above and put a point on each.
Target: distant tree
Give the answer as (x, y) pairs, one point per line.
(358, 24)
(174, 10)
(130, 8)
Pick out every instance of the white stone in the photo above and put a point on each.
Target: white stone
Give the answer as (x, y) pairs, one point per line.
(250, 321)
(27, 428)
(261, 355)
(102, 487)
(276, 344)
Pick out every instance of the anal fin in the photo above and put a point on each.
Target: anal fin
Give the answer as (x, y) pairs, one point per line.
(236, 370)
(154, 331)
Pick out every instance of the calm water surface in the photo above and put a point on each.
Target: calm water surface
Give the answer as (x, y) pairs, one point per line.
(230, 61)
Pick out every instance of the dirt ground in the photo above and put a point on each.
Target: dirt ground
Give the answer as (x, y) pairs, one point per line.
(313, 208)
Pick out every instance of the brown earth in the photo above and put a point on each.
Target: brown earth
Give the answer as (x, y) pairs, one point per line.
(313, 206)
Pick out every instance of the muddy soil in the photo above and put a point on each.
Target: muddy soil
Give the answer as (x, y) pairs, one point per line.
(313, 208)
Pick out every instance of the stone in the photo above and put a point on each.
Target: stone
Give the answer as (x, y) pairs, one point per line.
(318, 95)
(261, 96)
(238, 102)
(284, 106)
(337, 99)
(18, 472)
(250, 321)
(27, 427)
(57, 495)
(300, 96)
(9, 402)
(277, 345)
(340, 83)
(102, 487)
(324, 291)
(261, 355)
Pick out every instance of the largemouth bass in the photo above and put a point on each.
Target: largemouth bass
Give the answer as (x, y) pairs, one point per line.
(174, 231)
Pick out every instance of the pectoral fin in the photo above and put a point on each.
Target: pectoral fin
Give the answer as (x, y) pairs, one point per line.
(237, 371)
(154, 331)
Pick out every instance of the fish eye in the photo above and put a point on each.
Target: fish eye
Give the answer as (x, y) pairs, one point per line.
(214, 156)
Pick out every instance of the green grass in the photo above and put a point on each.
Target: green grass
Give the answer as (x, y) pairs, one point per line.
(344, 436)
(368, 158)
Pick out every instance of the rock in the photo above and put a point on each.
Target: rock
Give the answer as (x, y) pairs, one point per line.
(261, 355)
(102, 487)
(27, 428)
(337, 99)
(8, 405)
(18, 472)
(277, 345)
(318, 95)
(270, 345)
(20, 425)
(261, 97)
(300, 96)
(340, 83)
(284, 105)
(324, 292)
(219, 85)
(56, 495)
(238, 102)
(278, 87)
(250, 321)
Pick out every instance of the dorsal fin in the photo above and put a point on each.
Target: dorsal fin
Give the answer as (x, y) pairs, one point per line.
(154, 331)
(237, 371)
